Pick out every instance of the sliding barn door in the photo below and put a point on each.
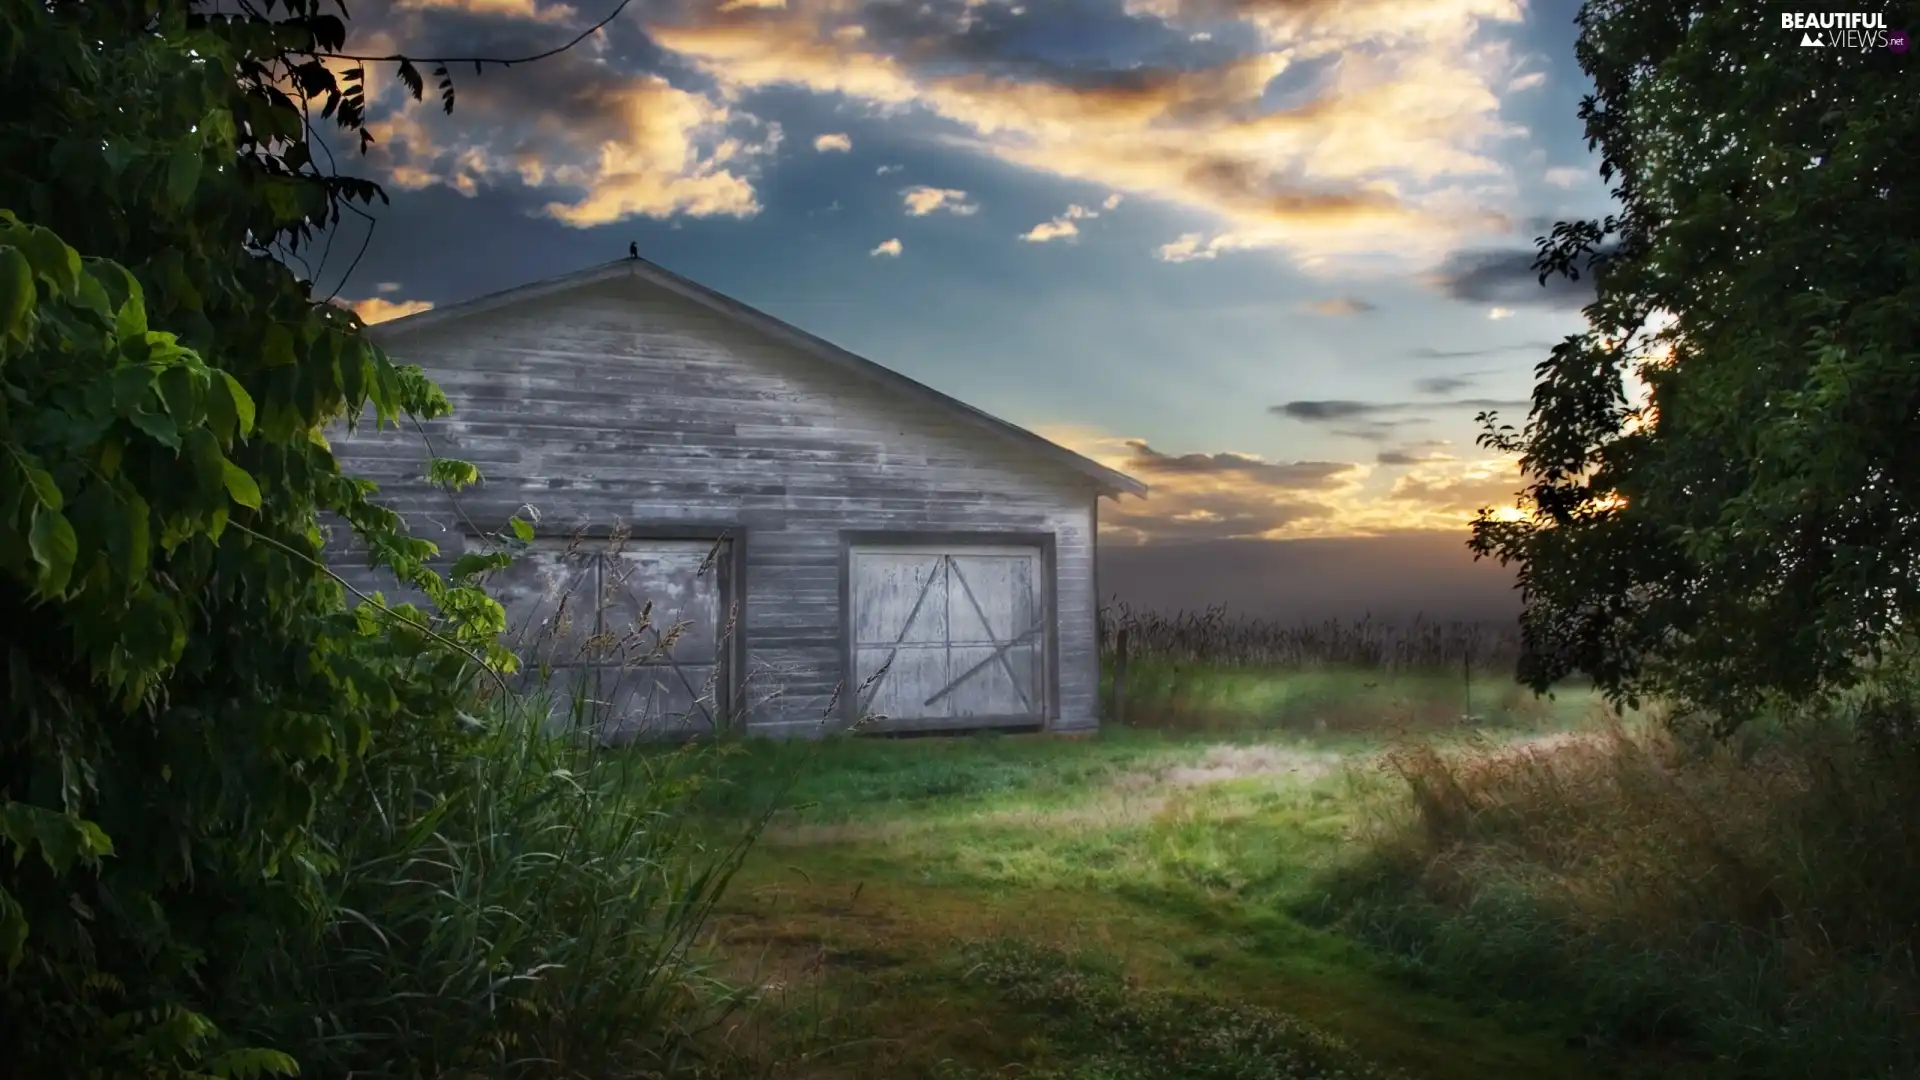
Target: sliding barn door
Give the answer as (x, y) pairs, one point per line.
(946, 637)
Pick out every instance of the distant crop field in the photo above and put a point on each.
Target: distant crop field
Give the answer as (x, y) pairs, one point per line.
(1214, 670)
(1219, 636)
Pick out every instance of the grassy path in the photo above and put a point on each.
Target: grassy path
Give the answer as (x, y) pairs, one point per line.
(1114, 908)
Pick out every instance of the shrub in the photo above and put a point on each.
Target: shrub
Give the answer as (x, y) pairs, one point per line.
(185, 686)
(1752, 901)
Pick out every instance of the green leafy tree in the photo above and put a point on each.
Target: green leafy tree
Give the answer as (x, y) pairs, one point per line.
(184, 682)
(1752, 525)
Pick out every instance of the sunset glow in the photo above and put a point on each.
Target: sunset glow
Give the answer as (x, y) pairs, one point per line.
(1270, 259)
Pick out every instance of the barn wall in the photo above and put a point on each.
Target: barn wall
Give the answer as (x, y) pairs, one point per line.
(620, 403)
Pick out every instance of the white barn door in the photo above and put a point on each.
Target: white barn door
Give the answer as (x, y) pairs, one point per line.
(948, 636)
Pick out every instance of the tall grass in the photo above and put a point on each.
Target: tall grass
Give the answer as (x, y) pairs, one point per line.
(515, 896)
(1213, 636)
(506, 904)
(1752, 906)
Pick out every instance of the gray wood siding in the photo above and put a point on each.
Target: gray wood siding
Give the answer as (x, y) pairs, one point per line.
(619, 403)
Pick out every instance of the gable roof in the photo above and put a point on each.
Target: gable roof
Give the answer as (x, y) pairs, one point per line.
(1108, 481)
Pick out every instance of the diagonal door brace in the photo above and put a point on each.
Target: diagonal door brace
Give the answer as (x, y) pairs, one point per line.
(1000, 650)
(873, 687)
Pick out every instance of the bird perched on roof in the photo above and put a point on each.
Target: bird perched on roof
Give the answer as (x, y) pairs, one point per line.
(633, 251)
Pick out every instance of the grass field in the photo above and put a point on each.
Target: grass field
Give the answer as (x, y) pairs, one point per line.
(1106, 908)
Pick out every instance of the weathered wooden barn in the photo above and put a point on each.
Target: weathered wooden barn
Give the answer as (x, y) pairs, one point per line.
(832, 540)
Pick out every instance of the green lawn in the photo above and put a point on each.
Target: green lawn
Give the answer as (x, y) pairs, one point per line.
(1105, 908)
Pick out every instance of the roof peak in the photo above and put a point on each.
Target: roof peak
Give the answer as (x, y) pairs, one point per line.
(1108, 481)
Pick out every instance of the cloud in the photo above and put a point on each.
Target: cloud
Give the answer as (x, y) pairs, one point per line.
(834, 141)
(1340, 306)
(1383, 145)
(922, 200)
(1413, 455)
(377, 309)
(1565, 177)
(1499, 313)
(1337, 411)
(1429, 353)
(887, 169)
(1317, 411)
(527, 10)
(1056, 229)
(1528, 81)
(1459, 488)
(1506, 277)
(1375, 431)
(1443, 384)
(1112, 202)
(1221, 495)
(599, 144)
(1187, 248)
(890, 248)
(1063, 226)
(1215, 496)
(1296, 475)
(386, 287)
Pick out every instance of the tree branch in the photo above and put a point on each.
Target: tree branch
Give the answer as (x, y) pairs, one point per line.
(436, 635)
(476, 61)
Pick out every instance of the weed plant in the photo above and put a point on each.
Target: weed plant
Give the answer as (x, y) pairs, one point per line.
(1752, 906)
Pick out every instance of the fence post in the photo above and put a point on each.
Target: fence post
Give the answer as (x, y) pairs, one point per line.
(1120, 677)
(1466, 677)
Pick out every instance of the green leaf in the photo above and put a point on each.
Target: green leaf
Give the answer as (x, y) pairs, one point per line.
(216, 127)
(183, 173)
(251, 1063)
(475, 563)
(131, 321)
(93, 297)
(13, 929)
(209, 466)
(17, 293)
(353, 378)
(118, 154)
(181, 389)
(276, 350)
(241, 487)
(239, 401)
(139, 528)
(60, 838)
(521, 529)
(129, 384)
(51, 258)
(54, 548)
(452, 473)
(160, 427)
(44, 487)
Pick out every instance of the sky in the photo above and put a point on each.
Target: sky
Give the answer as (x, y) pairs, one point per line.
(1269, 256)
